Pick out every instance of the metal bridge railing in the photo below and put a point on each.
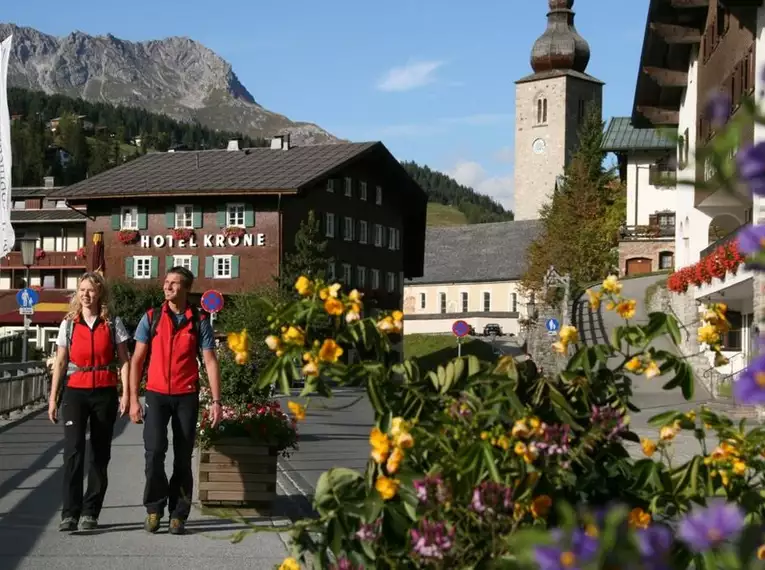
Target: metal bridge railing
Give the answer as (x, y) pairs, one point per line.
(22, 384)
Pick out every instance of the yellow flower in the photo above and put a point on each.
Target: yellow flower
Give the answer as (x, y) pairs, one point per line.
(652, 370)
(560, 347)
(638, 518)
(635, 364)
(503, 442)
(386, 487)
(595, 297)
(569, 334)
(355, 296)
(380, 445)
(397, 316)
(334, 306)
(311, 366)
(405, 441)
(530, 455)
(398, 425)
(330, 292)
(761, 552)
(611, 285)
(239, 342)
(353, 314)
(520, 430)
(242, 357)
(297, 409)
(667, 433)
(520, 448)
(303, 286)
(294, 335)
(648, 446)
(484, 435)
(626, 308)
(540, 506)
(394, 461)
(330, 351)
(739, 467)
(708, 335)
(391, 324)
(592, 531)
(273, 342)
(289, 564)
(691, 416)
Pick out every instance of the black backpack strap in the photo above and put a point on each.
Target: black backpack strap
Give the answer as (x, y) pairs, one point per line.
(65, 379)
(196, 319)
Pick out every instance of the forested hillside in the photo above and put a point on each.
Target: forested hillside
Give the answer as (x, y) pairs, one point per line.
(92, 137)
(443, 189)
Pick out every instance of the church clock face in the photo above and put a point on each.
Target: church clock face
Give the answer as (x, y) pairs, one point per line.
(538, 146)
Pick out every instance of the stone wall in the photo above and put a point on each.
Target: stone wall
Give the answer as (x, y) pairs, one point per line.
(540, 341)
(644, 248)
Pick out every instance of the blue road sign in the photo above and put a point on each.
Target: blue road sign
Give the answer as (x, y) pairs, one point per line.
(212, 301)
(552, 325)
(27, 298)
(460, 328)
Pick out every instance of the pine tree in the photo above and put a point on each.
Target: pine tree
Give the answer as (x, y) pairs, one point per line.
(308, 257)
(580, 225)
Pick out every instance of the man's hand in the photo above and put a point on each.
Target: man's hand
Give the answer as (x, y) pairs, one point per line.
(52, 411)
(217, 412)
(136, 412)
(124, 404)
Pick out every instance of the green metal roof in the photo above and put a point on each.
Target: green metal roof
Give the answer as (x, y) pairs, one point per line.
(621, 136)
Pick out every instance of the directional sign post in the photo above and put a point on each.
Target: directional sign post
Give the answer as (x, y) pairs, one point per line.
(552, 326)
(27, 299)
(460, 329)
(212, 302)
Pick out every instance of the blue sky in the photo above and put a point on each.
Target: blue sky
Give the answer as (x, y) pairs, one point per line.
(432, 79)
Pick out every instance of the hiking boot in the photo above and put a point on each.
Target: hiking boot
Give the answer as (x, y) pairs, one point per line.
(177, 526)
(88, 523)
(68, 524)
(152, 523)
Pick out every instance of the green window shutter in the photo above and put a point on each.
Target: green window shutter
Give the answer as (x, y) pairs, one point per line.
(234, 266)
(249, 216)
(116, 222)
(129, 267)
(195, 265)
(170, 216)
(208, 267)
(143, 218)
(196, 216)
(154, 267)
(221, 215)
(169, 262)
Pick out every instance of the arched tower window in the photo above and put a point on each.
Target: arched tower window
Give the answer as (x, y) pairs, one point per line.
(541, 110)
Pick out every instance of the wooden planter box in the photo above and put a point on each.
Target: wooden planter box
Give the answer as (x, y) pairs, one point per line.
(235, 472)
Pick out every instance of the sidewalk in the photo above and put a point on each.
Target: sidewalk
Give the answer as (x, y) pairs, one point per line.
(30, 502)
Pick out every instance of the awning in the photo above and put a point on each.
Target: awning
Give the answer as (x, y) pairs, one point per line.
(41, 318)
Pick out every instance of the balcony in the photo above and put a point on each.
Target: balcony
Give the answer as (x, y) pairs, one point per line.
(722, 241)
(651, 232)
(52, 259)
(660, 177)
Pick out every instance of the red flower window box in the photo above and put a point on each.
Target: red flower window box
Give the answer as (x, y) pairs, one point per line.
(234, 231)
(724, 260)
(80, 253)
(127, 237)
(183, 234)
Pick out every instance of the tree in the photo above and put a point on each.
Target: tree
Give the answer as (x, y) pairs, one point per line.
(580, 225)
(308, 256)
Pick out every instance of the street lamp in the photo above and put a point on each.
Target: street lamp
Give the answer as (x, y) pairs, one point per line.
(28, 246)
(531, 309)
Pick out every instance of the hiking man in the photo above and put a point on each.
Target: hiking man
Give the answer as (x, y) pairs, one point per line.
(171, 338)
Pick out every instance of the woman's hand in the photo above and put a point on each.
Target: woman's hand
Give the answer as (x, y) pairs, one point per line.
(124, 404)
(53, 410)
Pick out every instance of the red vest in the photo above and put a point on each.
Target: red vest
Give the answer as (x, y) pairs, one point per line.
(92, 352)
(173, 366)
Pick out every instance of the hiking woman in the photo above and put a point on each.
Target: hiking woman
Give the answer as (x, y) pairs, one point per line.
(91, 354)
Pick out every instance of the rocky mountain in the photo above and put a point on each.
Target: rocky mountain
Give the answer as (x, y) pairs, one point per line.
(176, 76)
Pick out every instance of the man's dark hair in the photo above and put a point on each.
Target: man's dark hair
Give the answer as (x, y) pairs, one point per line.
(186, 275)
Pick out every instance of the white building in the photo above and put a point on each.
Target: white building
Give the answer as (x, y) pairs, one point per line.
(472, 273)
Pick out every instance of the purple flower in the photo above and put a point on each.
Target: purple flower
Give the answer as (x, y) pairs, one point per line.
(557, 440)
(655, 543)
(707, 527)
(345, 564)
(432, 540)
(751, 239)
(750, 386)
(492, 498)
(610, 420)
(751, 167)
(431, 490)
(581, 550)
(369, 531)
(718, 109)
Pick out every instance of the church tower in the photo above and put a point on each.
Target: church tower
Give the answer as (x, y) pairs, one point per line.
(550, 106)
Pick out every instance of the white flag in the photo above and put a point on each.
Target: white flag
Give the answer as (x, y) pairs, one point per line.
(7, 235)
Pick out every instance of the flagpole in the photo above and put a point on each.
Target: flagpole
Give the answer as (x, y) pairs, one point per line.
(7, 235)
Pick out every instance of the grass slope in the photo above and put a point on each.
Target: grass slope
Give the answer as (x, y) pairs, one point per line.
(442, 215)
(432, 350)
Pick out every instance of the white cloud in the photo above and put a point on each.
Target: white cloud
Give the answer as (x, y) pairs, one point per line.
(471, 173)
(410, 76)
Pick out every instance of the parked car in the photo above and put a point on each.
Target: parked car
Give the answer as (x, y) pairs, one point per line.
(492, 329)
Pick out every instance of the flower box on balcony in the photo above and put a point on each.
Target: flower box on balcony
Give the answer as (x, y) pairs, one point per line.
(39, 254)
(725, 259)
(184, 234)
(127, 237)
(234, 231)
(80, 253)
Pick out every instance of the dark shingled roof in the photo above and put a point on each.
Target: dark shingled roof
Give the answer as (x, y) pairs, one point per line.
(620, 135)
(218, 171)
(58, 215)
(33, 191)
(477, 252)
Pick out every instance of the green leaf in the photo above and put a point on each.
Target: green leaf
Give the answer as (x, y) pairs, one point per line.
(660, 420)
(373, 507)
(490, 462)
(674, 330)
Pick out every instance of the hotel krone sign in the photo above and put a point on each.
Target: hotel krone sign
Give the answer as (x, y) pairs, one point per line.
(208, 240)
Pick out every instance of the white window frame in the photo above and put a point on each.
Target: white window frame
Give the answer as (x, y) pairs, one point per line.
(347, 274)
(442, 302)
(222, 258)
(398, 239)
(378, 195)
(331, 271)
(391, 282)
(133, 220)
(376, 279)
(138, 261)
(363, 231)
(423, 303)
(329, 225)
(182, 261)
(184, 216)
(233, 212)
(379, 235)
(465, 301)
(513, 302)
(483, 301)
(361, 276)
(331, 185)
(349, 187)
(392, 238)
(348, 228)
(363, 191)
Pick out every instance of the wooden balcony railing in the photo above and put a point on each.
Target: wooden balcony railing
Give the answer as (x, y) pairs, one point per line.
(51, 259)
(647, 232)
(660, 177)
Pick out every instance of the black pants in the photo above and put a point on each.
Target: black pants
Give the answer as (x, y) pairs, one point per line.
(181, 411)
(78, 407)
